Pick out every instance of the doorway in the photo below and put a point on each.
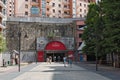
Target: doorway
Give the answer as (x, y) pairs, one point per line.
(55, 49)
(56, 57)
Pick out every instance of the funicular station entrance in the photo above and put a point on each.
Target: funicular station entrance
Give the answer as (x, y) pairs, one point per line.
(45, 37)
(55, 49)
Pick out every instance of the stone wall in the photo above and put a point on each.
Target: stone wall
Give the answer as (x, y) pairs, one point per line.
(31, 31)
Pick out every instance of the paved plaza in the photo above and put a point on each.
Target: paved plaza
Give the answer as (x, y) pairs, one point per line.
(54, 71)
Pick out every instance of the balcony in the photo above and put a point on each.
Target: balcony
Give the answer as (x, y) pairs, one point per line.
(66, 16)
(77, 12)
(66, 9)
(48, 12)
(48, 6)
(34, 3)
(65, 3)
(48, 0)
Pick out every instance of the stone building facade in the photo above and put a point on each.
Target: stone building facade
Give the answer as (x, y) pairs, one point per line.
(38, 39)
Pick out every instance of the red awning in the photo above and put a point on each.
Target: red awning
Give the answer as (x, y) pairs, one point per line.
(55, 45)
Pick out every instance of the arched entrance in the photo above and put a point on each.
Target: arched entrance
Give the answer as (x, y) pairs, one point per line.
(55, 49)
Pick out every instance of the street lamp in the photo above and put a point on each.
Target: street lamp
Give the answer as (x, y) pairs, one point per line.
(19, 45)
(35, 35)
(36, 47)
(19, 35)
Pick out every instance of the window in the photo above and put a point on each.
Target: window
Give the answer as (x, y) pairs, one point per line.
(53, 4)
(80, 43)
(80, 35)
(80, 10)
(53, 10)
(59, 11)
(80, 15)
(59, 5)
(65, 6)
(26, 6)
(4, 1)
(65, 12)
(48, 15)
(84, 11)
(80, 4)
(84, 5)
(80, 26)
(4, 12)
(26, 13)
(47, 9)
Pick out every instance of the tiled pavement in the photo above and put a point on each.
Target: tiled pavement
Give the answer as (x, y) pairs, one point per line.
(54, 71)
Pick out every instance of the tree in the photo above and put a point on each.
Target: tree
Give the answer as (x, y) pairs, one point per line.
(112, 26)
(93, 33)
(2, 43)
(102, 34)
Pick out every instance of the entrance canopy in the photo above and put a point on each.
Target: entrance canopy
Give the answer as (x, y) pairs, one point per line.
(55, 45)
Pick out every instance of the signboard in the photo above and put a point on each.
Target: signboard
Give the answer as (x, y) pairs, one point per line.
(41, 43)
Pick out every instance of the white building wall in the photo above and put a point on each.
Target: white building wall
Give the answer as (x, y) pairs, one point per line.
(74, 8)
(82, 8)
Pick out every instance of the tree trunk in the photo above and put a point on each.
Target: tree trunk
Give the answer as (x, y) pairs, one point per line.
(112, 59)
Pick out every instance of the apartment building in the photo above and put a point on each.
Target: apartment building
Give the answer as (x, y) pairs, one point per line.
(48, 8)
(51, 9)
(2, 14)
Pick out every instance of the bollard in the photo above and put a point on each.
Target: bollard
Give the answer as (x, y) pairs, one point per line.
(8, 62)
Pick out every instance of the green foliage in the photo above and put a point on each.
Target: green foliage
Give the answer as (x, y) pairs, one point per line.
(102, 34)
(51, 34)
(112, 25)
(91, 34)
(2, 43)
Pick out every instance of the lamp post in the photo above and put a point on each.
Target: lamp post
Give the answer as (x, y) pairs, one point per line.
(36, 48)
(19, 35)
(35, 42)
